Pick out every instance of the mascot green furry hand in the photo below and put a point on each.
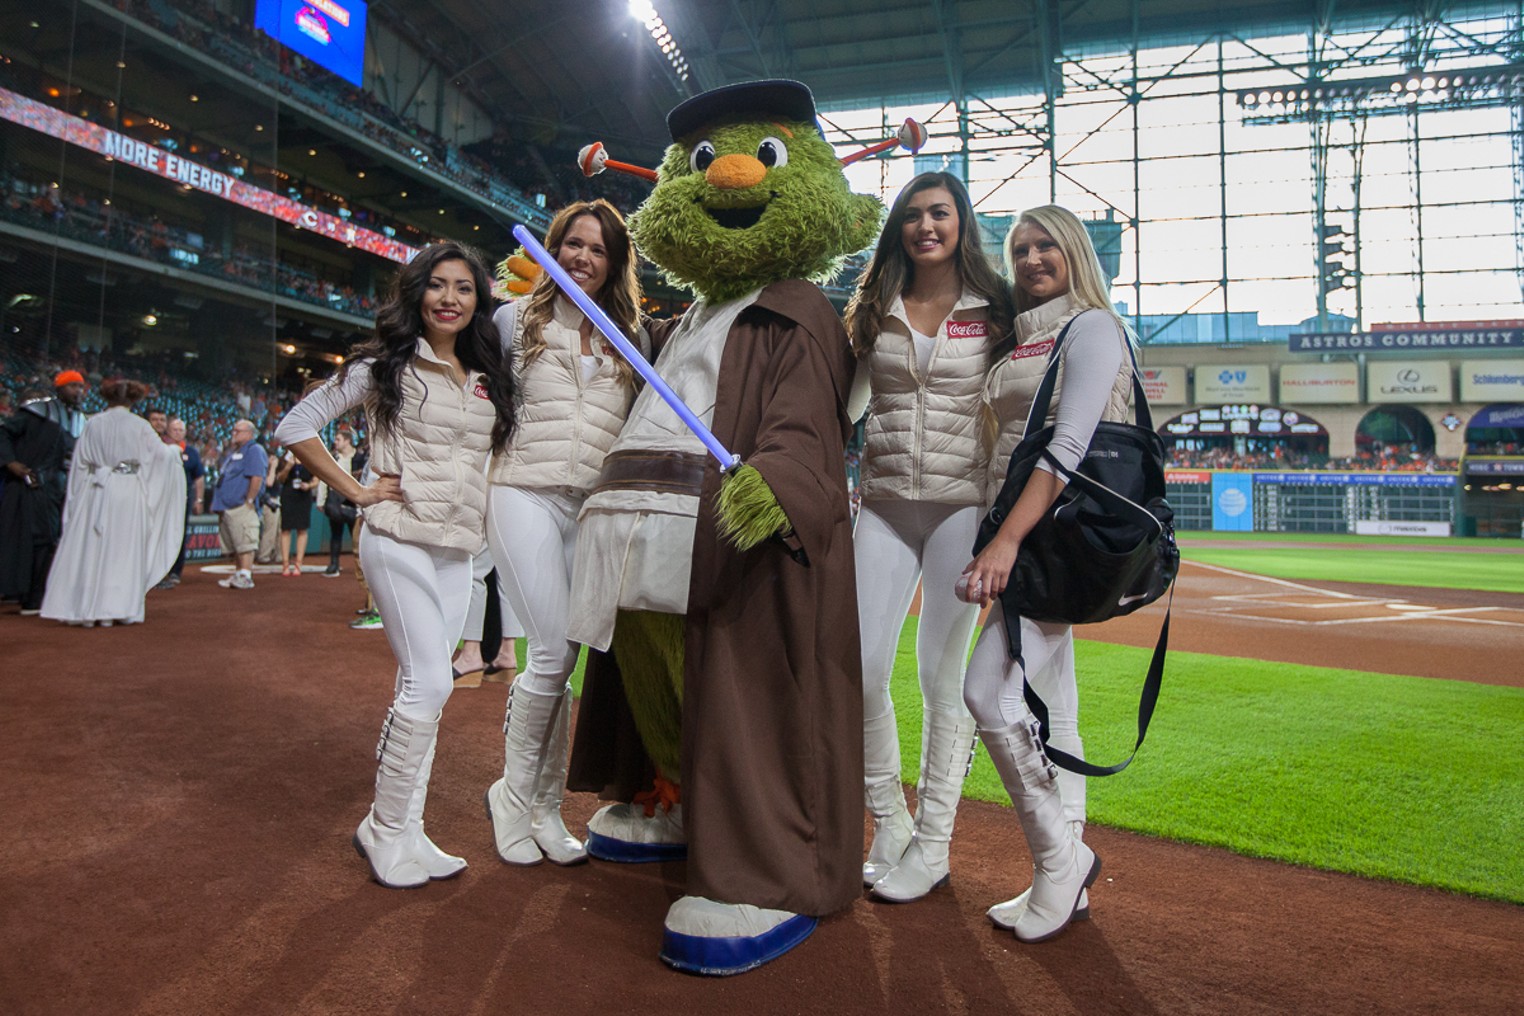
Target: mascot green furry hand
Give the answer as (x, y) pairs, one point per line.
(729, 601)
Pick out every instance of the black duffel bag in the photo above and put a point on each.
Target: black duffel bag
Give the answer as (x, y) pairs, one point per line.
(1105, 548)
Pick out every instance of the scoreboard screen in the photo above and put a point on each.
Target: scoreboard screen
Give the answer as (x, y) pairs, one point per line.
(327, 32)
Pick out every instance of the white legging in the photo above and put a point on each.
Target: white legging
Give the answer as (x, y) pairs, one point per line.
(898, 543)
(421, 594)
(992, 690)
(533, 536)
(476, 613)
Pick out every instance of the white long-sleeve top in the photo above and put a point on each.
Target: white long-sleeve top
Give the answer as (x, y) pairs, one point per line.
(438, 448)
(1094, 370)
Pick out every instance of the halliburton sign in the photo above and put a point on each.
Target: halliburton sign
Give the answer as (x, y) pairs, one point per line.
(1322, 383)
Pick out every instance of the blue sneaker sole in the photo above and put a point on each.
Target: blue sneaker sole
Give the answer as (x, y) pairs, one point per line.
(606, 848)
(723, 957)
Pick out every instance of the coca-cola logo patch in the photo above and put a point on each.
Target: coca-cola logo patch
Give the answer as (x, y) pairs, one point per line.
(1042, 348)
(967, 329)
(481, 390)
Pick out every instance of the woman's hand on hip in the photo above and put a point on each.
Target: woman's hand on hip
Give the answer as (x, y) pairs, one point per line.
(385, 488)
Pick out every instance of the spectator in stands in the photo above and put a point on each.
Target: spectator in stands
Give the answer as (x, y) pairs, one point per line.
(439, 399)
(240, 478)
(36, 443)
(123, 523)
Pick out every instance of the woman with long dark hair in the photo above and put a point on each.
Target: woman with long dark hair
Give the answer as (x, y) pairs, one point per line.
(929, 319)
(1059, 284)
(576, 393)
(439, 399)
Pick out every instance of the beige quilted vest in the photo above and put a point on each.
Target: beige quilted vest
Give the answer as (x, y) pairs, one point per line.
(1011, 385)
(924, 439)
(439, 447)
(565, 426)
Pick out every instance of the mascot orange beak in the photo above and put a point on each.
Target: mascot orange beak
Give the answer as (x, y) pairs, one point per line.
(594, 158)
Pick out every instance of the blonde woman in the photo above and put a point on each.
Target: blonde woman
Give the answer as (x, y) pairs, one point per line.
(1058, 284)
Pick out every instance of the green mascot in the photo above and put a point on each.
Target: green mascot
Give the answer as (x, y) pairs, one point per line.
(728, 714)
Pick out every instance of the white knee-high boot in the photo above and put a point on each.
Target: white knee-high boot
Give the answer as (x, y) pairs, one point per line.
(1071, 787)
(548, 828)
(884, 796)
(383, 837)
(1063, 866)
(945, 759)
(510, 800)
(436, 862)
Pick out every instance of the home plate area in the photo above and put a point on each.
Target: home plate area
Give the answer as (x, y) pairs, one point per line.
(1280, 601)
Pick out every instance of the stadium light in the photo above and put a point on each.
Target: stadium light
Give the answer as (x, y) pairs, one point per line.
(644, 11)
(1454, 88)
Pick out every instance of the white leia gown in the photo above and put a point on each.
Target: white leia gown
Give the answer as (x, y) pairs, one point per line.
(122, 523)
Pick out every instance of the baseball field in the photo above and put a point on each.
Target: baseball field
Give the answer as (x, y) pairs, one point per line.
(1326, 817)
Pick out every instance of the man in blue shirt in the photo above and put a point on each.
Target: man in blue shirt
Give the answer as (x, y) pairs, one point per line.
(236, 502)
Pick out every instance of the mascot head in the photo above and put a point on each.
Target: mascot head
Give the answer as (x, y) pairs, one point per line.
(750, 193)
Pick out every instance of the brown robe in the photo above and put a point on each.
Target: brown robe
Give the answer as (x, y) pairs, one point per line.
(772, 768)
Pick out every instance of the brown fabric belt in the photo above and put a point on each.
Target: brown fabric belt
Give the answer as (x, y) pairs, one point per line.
(666, 472)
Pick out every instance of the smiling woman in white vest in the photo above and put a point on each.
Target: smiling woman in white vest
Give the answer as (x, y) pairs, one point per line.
(438, 399)
(575, 393)
(1058, 283)
(929, 319)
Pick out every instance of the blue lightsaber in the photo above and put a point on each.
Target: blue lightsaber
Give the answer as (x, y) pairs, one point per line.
(602, 322)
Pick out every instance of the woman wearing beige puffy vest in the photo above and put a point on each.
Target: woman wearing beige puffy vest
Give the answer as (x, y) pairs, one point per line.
(1058, 284)
(930, 318)
(438, 399)
(575, 392)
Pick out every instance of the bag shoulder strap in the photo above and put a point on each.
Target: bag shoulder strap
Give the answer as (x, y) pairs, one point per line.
(1043, 400)
(1146, 703)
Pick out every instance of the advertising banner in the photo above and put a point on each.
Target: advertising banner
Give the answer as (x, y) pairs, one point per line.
(1509, 416)
(1251, 421)
(1492, 380)
(1233, 383)
(202, 542)
(1164, 386)
(1365, 527)
(1321, 383)
(140, 155)
(1232, 502)
(1398, 341)
(1358, 479)
(1408, 381)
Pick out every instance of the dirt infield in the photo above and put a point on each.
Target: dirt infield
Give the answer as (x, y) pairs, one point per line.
(181, 795)
(1444, 633)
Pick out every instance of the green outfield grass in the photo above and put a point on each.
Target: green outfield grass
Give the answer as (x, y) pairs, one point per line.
(1374, 561)
(1409, 779)
(1440, 542)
